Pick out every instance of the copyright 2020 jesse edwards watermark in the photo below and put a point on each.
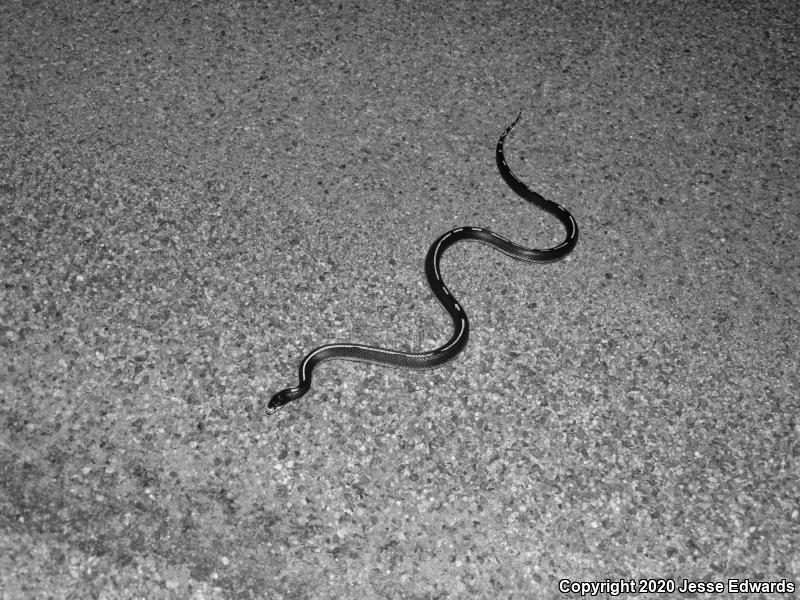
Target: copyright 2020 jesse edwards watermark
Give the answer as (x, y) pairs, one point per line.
(616, 587)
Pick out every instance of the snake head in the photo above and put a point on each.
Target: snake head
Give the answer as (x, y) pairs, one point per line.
(283, 398)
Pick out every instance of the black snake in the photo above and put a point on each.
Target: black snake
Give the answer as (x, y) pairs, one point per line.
(445, 353)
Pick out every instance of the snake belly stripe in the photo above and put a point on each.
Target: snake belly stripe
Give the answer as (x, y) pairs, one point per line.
(435, 358)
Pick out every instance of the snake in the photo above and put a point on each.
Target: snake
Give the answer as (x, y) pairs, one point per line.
(418, 361)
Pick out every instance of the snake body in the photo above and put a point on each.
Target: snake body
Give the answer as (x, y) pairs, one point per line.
(435, 358)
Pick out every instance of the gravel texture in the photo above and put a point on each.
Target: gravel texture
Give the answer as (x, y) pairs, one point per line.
(192, 196)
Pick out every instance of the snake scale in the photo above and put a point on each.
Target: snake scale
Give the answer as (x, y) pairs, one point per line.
(448, 351)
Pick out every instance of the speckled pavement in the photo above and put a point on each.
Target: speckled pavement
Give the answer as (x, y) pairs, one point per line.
(194, 195)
